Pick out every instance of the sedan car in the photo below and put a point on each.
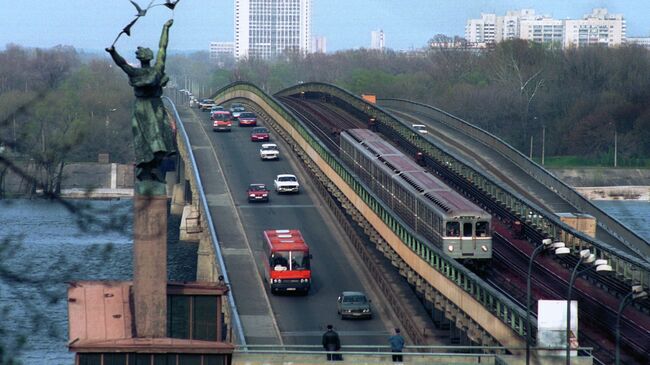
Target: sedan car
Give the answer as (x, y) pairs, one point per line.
(206, 104)
(420, 128)
(257, 193)
(247, 119)
(269, 151)
(259, 134)
(237, 110)
(353, 304)
(286, 183)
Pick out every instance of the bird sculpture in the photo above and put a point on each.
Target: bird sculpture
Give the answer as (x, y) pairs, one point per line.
(171, 4)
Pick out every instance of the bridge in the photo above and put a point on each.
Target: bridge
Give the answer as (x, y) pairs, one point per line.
(357, 242)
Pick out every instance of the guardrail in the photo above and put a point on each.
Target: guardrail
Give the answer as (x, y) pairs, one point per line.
(213, 234)
(630, 268)
(503, 308)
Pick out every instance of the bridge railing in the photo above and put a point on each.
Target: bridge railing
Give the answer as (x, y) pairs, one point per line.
(499, 305)
(629, 268)
(234, 314)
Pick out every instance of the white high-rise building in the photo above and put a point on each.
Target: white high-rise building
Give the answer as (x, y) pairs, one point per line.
(482, 31)
(267, 28)
(377, 40)
(319, 44)
(220, 50)
(597, 28)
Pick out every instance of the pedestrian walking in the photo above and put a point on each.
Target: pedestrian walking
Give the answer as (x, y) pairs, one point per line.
(396, 345)
(331, 343)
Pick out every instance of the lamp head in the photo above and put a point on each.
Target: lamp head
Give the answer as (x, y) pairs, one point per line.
(591, 258)
(603, 268)
(637, 289)
(558, 245)
(641, 295)
(547, 242)
(600, 262)
(584, 254)
(562, 251)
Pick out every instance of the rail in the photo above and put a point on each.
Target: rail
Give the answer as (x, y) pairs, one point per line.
(501, 307)
(213, 233)
(626, 266)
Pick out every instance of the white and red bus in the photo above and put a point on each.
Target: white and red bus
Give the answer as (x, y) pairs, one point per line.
(286, 260)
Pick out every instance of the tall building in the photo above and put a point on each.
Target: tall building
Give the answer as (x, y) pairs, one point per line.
(597, 28)
(221, 50)
(639, 41)
(482, 31)
(377, 40)
(319, 44)
(267, 28)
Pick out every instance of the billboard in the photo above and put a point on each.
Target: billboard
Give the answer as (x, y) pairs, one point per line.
(551, 325)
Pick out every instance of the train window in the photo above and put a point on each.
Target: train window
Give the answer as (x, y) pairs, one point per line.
(482, 229)
(467, 229)
(453, 229)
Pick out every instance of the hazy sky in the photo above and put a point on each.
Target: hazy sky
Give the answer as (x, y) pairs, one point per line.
(93, 24)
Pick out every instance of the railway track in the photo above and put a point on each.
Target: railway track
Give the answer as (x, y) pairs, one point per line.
(597, 306)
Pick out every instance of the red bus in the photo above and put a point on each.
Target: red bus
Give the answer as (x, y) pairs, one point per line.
(286, 261)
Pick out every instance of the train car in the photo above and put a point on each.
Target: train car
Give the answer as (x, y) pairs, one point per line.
(446, 219)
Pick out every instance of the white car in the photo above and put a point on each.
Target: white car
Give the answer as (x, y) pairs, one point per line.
(420, 128)
(269, 151)
(286, 183)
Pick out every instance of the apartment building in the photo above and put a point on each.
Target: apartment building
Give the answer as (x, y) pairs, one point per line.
(597, 28)
(377, 40)
(221, 50)
(267, 28)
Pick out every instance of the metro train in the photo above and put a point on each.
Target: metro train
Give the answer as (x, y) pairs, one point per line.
(446, 219)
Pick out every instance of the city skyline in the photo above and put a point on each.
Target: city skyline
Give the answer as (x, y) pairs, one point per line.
(93, 25)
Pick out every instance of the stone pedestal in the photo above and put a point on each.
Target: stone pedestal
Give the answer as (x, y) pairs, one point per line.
(150, 265)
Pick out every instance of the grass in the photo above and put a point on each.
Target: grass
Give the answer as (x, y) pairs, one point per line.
(601, 162)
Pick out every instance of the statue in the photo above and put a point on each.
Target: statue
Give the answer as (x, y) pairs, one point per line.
(152, 133)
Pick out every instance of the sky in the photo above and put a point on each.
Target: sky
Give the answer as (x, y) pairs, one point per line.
(92, 25)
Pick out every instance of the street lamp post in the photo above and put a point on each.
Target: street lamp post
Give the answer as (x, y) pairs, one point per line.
(586, 257)
(559, 250)
(636, 293)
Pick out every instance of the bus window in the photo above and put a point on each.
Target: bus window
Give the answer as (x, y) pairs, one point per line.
(299, 260)
(280, 261)
(453, 229)
(467, 229)
(482, 229)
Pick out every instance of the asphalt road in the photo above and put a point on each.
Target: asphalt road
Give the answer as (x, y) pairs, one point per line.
(299, 319)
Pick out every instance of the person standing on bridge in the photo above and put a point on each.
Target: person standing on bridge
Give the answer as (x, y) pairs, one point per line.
(396, 345)
(331, 342)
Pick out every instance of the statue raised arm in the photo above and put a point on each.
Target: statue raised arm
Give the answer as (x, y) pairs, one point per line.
(152, 132)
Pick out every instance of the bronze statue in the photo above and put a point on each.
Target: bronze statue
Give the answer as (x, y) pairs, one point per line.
(152, 133)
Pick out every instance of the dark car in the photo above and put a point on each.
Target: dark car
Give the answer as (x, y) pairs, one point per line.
(353, 304)
(257, 193)
(247, 119)
(259, 134)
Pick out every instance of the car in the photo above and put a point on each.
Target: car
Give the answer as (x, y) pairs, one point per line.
(247, 119)
(236, 111)
(206, 104)
(269, 151)
(257, 193)
(353, 304)
(420, 128)
(216, 108)
(221, 121)
(286, 183)
(259, 134)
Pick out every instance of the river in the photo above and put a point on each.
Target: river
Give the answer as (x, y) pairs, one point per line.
(43, 243)
(45, 246)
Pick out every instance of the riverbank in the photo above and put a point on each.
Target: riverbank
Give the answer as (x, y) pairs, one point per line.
(115, 181)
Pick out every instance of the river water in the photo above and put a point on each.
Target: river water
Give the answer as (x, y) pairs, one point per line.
(43, 246)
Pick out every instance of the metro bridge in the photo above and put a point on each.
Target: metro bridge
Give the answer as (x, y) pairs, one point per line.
(358, 245)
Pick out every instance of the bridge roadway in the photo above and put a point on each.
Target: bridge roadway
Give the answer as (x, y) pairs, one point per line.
(228, 162)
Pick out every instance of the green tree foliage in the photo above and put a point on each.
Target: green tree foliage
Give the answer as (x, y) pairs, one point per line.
(579, 96)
